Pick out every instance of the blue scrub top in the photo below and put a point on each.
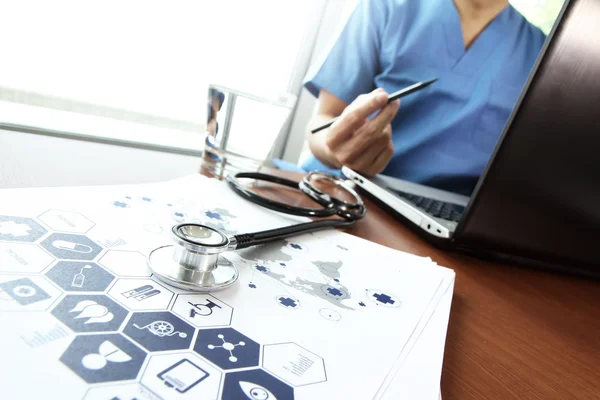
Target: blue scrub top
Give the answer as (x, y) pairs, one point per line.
(443, 135)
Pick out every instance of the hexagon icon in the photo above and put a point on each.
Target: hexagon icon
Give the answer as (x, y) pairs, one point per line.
(67, 246)
(104, 358)
(255, 384)
(182, 375)
(80, 276)
(227, 348)
(31, 293)
(90, 313)
(126, 263)
(293, 364)
(159, 331)
(141, 294)
(23, 257)
(202, 310)
(111, 238)
(66, 221)
(19, 229)
(126, 391)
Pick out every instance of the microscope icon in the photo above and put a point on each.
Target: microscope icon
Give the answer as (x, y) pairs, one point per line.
(203, 310)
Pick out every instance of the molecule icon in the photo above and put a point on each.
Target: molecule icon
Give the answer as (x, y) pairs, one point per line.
(227, 346)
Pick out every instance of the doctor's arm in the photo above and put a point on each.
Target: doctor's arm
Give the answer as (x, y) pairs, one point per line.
(353, 140)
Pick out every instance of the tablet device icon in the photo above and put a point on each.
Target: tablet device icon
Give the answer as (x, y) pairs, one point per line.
(183, 375)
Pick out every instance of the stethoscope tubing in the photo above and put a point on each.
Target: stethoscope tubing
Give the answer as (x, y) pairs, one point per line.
(330, 208)
(252, 239)
(193, 262)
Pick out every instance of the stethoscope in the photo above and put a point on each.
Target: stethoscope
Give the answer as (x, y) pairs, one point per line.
(193, 262)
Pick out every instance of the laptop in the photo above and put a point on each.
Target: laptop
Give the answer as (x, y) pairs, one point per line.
(538, 200)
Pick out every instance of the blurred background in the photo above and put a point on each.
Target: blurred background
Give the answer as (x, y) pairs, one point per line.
(78, 76)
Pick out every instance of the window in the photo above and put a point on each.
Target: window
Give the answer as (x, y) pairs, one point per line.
(72, 66)
(541, 13)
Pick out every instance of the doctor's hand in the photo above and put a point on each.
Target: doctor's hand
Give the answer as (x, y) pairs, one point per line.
(362, 144)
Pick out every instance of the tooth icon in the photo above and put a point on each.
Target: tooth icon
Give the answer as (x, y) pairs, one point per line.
(256, 392)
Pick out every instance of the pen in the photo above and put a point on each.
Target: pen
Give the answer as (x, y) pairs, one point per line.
(399, 94)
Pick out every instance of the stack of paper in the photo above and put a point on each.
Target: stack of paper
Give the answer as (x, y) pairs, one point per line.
(319, 316)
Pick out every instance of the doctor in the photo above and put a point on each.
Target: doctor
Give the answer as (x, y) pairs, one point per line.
(482, 51)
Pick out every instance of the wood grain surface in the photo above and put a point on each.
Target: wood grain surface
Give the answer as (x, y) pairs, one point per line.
(514, 333)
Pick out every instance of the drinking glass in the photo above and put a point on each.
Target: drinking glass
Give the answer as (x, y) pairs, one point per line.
(242, 128)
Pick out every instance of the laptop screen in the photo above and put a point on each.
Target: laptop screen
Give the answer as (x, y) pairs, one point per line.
(540, 196)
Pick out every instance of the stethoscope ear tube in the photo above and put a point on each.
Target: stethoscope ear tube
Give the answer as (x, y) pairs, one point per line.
(329, 205)
(272, 204)
(329, 208)
(253, 239)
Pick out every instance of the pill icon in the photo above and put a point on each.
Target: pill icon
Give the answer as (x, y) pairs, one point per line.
(72, 246)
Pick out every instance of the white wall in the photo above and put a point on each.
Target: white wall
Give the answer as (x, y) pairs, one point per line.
(30, 160)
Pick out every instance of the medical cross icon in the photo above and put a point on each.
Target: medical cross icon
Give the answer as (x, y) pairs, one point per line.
(381, 298)
(288, 302)
(384, 298)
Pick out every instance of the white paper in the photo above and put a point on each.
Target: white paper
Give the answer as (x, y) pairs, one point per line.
(315, 312)
(419, 375)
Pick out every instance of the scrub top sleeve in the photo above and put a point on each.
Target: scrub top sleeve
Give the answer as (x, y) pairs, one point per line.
(350, 66)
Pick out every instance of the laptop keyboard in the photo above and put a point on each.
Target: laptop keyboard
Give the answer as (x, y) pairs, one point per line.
(435, 208)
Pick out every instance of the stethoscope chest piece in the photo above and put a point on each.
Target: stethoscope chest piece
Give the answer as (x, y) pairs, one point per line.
(194, 262)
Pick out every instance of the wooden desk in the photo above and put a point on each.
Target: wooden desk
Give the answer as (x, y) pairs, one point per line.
(514, 333)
